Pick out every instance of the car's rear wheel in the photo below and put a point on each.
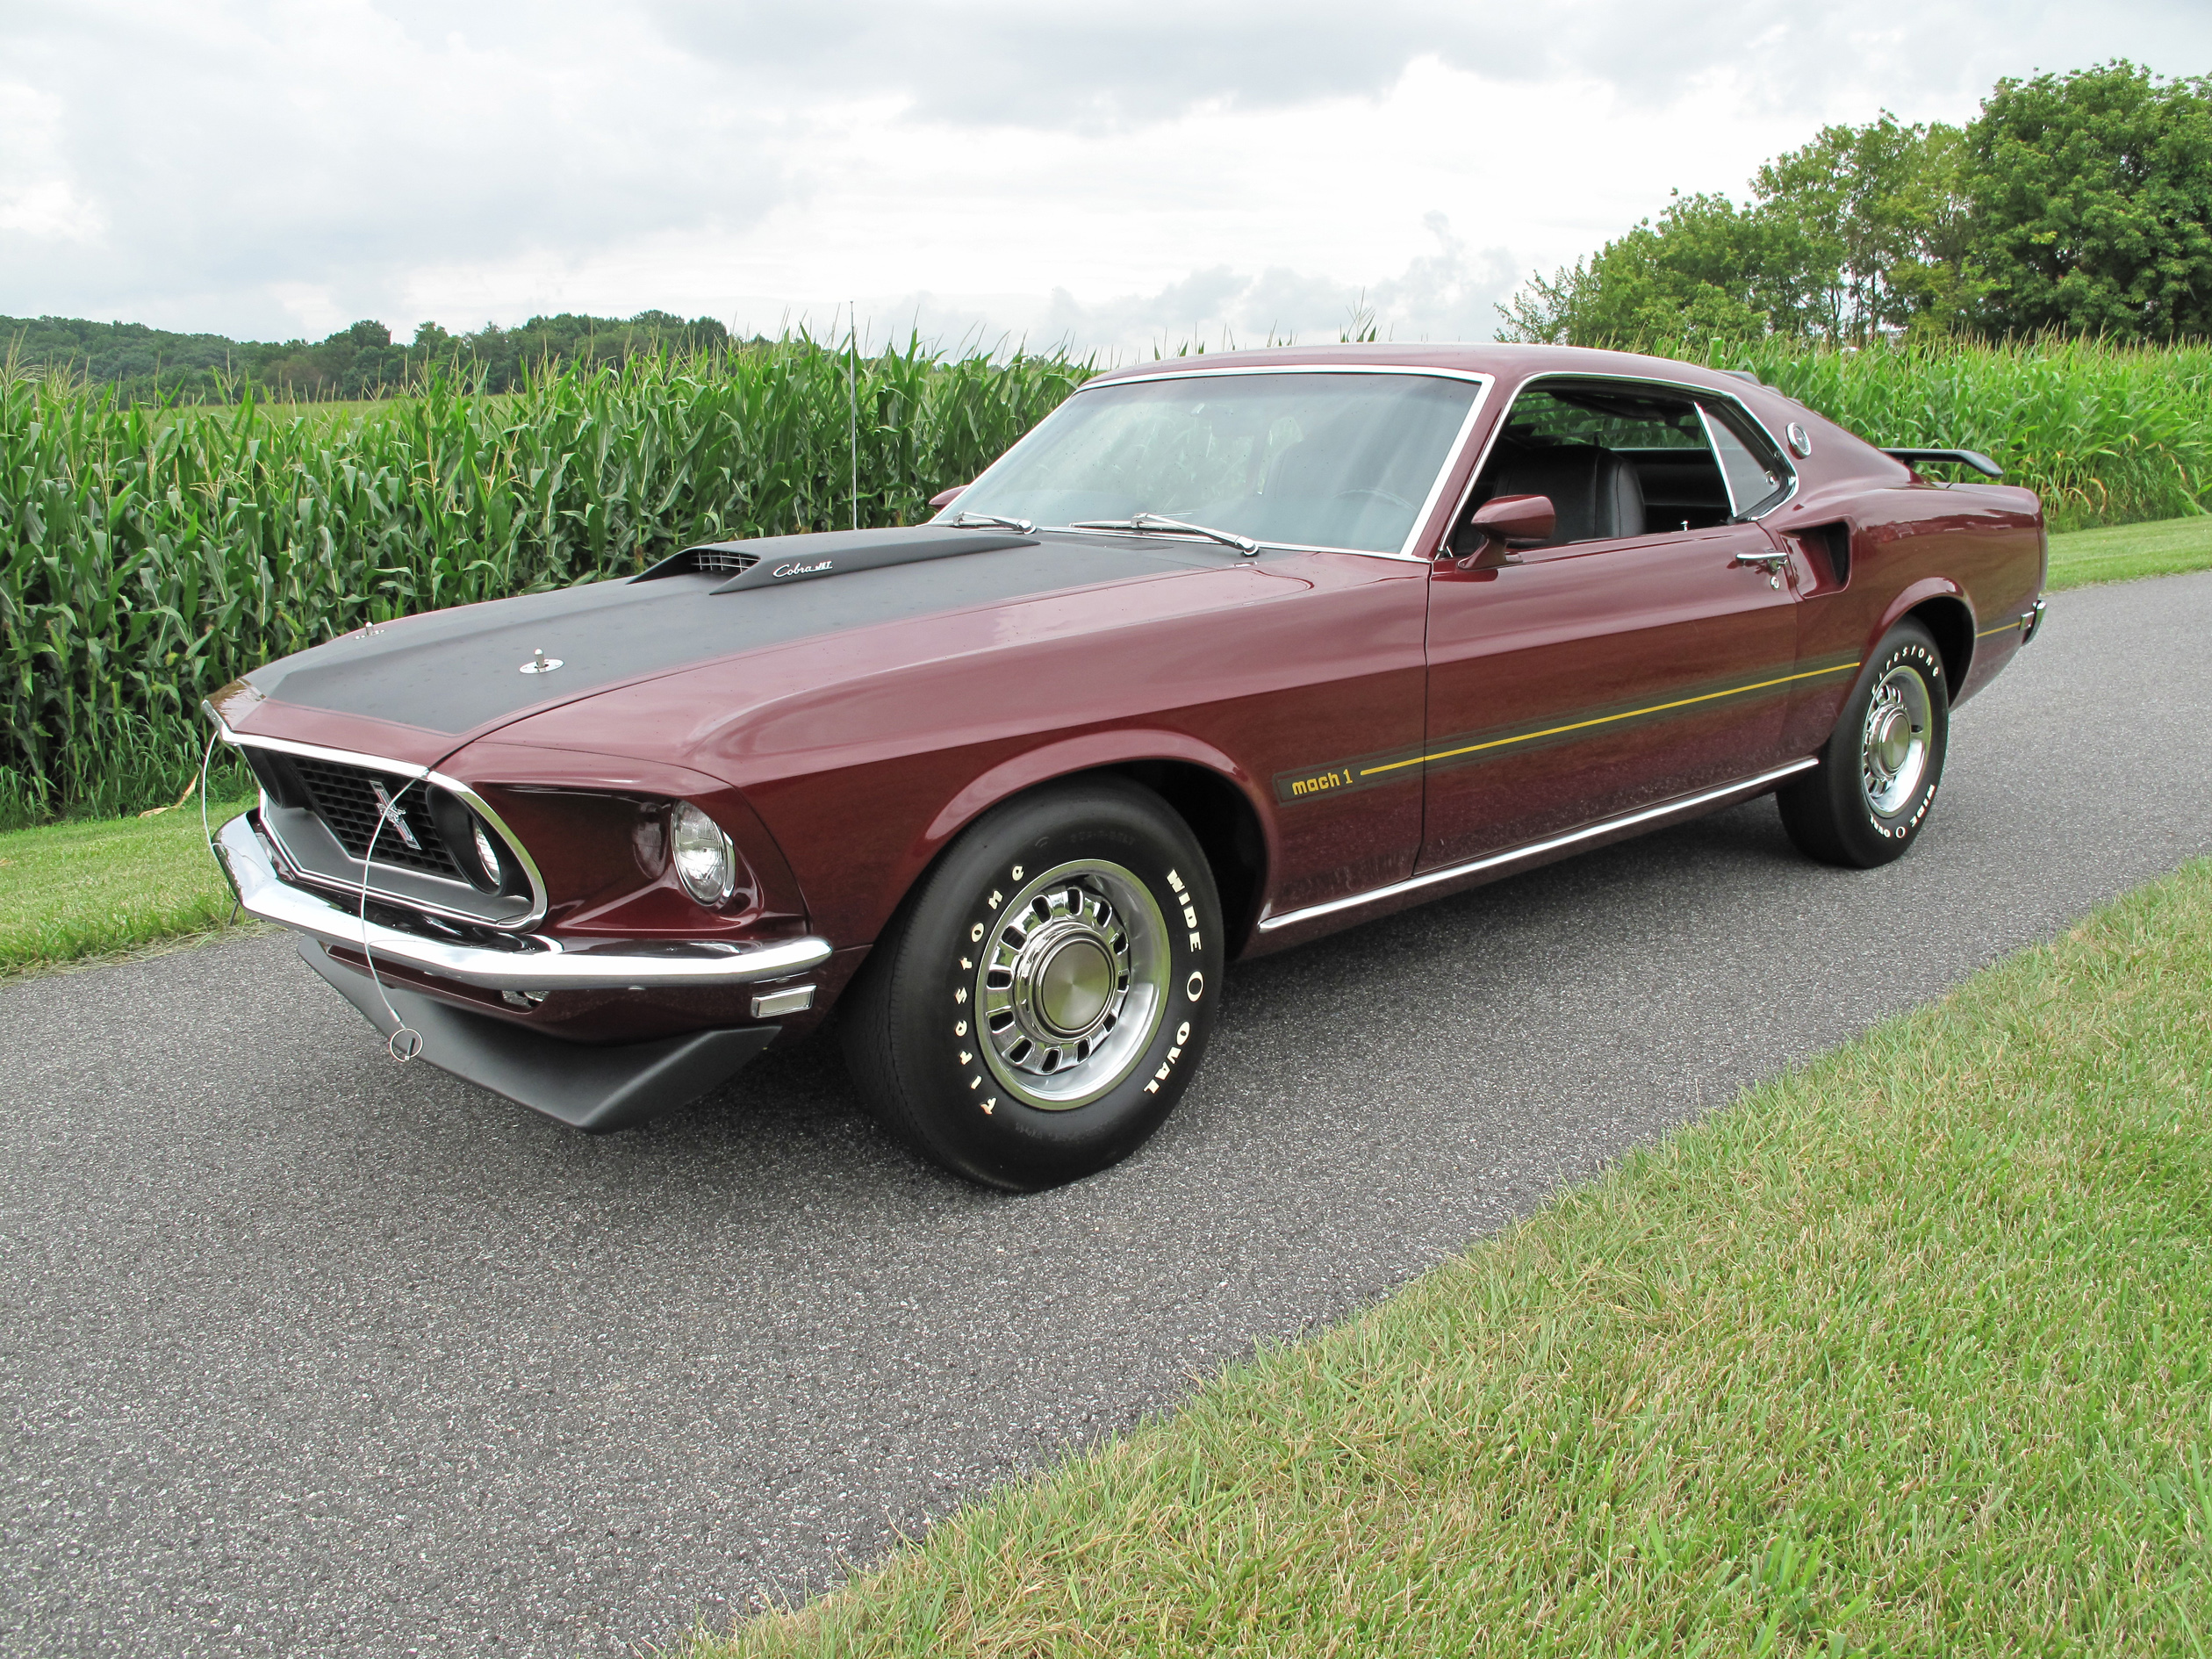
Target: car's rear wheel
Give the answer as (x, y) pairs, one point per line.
(1869, 798)
(1040, 1002)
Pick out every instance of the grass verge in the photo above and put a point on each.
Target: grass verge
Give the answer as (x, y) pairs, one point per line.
(74, 890)
(2121, 552)
(1904, 1353)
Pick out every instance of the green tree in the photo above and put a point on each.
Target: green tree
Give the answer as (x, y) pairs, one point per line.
(1862, 229)
(2092, 198)
(1705, 267)
(1883, 214)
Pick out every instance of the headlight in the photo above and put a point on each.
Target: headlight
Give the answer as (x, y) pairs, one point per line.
(705, 862)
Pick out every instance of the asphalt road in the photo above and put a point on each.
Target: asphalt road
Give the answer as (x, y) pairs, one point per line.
(301, 1350)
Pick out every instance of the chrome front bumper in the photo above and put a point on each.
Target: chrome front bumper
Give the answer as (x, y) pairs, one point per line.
(539, 964)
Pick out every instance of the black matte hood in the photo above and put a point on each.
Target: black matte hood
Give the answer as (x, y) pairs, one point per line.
(461, 670)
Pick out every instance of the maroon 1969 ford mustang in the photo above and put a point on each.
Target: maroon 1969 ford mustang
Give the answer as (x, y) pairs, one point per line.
(1226, 654)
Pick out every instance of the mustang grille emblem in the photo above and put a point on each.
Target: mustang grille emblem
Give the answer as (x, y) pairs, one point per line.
(394, 817)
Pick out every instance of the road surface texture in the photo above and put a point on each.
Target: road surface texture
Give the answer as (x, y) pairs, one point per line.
(305, 1351)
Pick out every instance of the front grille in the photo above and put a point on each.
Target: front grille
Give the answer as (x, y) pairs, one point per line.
(722, 561)
(345, 798)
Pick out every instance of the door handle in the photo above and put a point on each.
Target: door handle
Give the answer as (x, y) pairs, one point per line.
(1776, 562)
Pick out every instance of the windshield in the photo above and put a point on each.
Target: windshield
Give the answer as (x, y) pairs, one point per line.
(1307, 460)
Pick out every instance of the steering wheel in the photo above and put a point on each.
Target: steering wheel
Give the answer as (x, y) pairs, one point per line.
(1380, 495)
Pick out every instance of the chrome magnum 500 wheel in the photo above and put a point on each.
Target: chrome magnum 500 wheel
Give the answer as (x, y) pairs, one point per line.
(1866, 800)
(1041, 1001)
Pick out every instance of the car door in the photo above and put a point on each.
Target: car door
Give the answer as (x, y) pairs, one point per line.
(1643, 655)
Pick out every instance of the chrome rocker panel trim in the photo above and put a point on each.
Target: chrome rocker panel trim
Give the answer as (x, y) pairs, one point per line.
(1678, 808)
(549, 966)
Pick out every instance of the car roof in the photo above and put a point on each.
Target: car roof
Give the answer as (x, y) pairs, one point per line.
(1506, 362)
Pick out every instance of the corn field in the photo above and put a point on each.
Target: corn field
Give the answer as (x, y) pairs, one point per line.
(2106, 435)
(152, 555)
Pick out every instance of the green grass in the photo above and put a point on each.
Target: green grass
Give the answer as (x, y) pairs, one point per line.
(2121, 552)
(74, 890)
(1907, 1351)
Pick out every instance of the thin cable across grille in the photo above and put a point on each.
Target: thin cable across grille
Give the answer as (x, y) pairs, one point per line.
(345, 798)
(721, 561)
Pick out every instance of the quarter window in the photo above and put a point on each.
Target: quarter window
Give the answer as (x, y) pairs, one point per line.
(1753, 480)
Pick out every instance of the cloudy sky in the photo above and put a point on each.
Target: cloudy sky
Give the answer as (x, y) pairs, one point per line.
(1107, 176)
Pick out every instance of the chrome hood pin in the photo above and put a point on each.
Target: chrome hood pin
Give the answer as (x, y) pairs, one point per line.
(540, 664)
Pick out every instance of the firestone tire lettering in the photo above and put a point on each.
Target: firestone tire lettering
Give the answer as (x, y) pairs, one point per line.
(957, 1097)
(1829, 811)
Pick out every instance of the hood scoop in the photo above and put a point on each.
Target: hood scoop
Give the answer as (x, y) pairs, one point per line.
(719, 561)
(782, 561)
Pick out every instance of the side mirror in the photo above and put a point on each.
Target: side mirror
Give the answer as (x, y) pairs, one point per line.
(945, 499)
(1505, 522)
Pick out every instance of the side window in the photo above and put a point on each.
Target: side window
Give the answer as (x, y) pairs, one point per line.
(1618, 459)
(1757, 474)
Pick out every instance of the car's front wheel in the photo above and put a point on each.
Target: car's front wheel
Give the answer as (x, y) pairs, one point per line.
(1040, 1002)
(1868, 798)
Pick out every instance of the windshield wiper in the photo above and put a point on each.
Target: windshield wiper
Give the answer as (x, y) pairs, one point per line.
(971, 521)
(1142, 521)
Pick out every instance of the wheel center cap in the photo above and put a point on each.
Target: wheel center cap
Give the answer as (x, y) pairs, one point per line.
(1893, 742)
(1073, 984)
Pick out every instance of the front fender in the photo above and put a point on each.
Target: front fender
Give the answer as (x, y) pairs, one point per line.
(1068, 757)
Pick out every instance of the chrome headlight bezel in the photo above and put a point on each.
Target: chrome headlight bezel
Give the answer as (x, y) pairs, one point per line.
(704, 857)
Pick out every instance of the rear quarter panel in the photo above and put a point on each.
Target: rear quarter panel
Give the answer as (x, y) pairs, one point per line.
(1911, 541)
(1979, 545)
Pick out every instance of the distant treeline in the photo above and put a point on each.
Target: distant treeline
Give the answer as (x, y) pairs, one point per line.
(145, 365)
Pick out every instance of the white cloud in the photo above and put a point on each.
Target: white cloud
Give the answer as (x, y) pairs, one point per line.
(1445, 294)
(40, 199)
(1127, 173)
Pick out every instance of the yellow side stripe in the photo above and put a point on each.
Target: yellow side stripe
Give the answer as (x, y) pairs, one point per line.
(2001, 627)
(1607, 719)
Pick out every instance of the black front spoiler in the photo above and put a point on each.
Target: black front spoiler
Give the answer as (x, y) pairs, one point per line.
(594, 1090)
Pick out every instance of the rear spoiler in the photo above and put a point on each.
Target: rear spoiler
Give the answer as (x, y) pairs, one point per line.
(1973, 459)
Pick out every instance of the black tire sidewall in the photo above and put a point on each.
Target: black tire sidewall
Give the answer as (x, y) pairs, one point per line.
(936, 1050)
(1867, 837)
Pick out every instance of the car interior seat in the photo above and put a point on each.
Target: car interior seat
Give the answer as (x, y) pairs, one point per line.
(1594, 491)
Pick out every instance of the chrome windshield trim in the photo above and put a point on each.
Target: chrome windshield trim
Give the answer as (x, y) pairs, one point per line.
(1534, 849)
(1482, 380)
(545, 965)
(453, 786)
(1410, 550)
